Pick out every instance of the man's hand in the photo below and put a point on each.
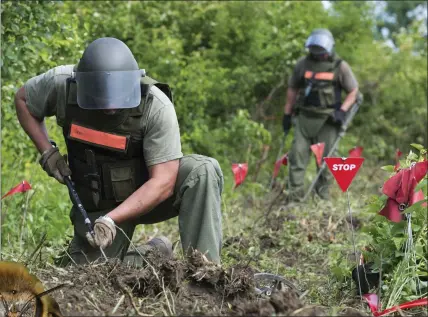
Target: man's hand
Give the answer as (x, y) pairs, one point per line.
(54, 164)
(105, 232)
(339, 116)
(286, 123)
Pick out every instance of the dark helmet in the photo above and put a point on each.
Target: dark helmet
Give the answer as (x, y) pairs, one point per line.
(108, 76)
(320, 41)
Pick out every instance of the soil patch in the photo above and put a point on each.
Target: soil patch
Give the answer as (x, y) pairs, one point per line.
(192, 287)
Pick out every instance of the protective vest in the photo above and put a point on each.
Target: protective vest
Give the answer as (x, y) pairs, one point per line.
(105, 152)
(321, 83)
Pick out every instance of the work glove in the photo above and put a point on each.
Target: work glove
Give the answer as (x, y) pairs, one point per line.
(286, 123)
(339, 116)
(55, 164)
(104, 233)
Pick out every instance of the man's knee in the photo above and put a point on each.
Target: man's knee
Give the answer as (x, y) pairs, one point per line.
(194, 166)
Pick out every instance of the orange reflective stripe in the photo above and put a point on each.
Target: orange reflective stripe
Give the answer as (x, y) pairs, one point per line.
(324, 76)
(98, 137)
(308, 74)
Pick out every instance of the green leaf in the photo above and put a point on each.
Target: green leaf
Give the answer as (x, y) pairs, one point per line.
(388, 168)
(398, 242)
(421, 185)
(417, 146)
(415, 206)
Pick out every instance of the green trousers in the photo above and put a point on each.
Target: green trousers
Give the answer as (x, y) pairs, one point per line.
(308, 131)
(196, 201)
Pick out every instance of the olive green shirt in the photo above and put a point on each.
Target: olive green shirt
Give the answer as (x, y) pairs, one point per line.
(45, 96)
(347, 79)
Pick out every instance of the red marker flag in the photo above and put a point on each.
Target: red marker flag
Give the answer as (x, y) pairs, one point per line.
(240, 171)
(418, 196)
(392, 211)
(282, 161)
(397, 158)
(400, 190)
(20, 188)
(344, 169)
(398, 154)
(318, 150)
(356, 151)
(372, 301)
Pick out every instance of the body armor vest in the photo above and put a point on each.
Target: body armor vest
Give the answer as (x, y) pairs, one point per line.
(105, 152)
(321, 83)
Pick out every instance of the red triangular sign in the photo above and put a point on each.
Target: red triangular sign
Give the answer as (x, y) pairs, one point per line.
(240, 171)
(344, 169)
(318, 150)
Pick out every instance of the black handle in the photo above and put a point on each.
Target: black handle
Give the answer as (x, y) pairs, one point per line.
(75, 198)
(76, 201)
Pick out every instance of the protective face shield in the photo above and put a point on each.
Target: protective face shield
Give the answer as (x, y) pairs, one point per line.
(109, 89)
(317, 50)
(320, 41)
(108, 76)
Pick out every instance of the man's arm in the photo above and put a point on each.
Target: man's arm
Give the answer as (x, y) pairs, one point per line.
(162, 150)
(35, 129)
(294, 84)
(291, 100)
(349, 84)
(349, 100)
(159, 187)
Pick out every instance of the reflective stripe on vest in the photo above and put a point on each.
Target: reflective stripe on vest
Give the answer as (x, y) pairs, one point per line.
(319, 76)
(100, 138)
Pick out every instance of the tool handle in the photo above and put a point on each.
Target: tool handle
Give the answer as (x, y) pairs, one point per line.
(76, 202)
(75, 198)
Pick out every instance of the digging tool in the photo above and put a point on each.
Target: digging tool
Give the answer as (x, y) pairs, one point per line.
(267, 282)
(342, 133)
(78, 204)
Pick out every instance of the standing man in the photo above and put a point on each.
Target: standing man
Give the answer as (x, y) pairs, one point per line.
(124, 154)
(317, 83)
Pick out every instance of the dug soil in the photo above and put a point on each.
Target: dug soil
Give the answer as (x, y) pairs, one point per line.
(167, 287)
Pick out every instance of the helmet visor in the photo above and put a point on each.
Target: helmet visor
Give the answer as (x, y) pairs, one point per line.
(322, 40)
(109, 90)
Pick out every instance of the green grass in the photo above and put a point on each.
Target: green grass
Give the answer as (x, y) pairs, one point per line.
(310, 244)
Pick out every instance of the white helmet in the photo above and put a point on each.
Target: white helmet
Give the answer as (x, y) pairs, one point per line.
(320, 41)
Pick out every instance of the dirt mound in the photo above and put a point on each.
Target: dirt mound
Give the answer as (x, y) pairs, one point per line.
(162, 286)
